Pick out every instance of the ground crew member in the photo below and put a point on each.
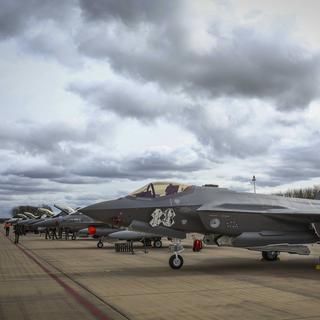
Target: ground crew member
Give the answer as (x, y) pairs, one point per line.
(53, 234)
(7, 228)
(47, 235)
(17, 231)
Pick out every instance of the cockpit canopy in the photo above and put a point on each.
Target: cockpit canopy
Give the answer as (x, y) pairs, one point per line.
(160, 189)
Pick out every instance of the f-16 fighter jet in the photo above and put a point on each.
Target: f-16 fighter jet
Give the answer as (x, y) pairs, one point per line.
(270, 224)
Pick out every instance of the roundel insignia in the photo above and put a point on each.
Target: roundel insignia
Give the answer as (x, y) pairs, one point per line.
(214, 223)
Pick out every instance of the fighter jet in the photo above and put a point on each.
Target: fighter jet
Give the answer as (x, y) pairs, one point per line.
(69, 220)
(266, 223)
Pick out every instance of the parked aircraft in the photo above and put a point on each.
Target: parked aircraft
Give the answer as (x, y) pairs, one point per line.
(270, 224)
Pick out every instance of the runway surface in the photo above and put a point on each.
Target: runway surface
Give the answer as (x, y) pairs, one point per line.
(45, 279)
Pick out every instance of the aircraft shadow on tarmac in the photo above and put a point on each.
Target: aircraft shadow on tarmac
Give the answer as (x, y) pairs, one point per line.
(229, 267)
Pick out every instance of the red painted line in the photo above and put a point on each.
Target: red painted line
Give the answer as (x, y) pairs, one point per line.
(97, 313)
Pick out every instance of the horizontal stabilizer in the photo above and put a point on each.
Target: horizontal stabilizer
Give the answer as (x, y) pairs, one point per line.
(294, 249)
(65, 209)
(30, 215)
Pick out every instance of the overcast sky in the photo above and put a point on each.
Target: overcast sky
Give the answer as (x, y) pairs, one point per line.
(99, 97)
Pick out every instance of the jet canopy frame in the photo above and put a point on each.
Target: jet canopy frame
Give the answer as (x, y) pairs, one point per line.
(160, 189)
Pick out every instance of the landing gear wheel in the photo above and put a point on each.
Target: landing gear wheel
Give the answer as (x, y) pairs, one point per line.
(176, 261)
(100, 244)
(157, 244)
(270, 255)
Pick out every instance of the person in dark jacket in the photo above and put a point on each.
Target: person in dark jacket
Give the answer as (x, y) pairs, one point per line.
(17, 233)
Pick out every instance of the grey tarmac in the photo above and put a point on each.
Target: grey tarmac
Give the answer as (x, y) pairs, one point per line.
(216, 283)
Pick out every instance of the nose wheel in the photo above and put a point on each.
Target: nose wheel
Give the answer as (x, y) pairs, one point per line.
(176, 261)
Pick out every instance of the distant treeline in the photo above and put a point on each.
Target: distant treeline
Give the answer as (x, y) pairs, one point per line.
(32, 209)
(305, 193)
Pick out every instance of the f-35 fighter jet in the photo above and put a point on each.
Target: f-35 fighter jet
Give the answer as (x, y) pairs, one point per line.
(270, 224)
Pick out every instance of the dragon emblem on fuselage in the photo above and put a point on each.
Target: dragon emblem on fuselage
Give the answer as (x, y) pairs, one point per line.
(165, 217)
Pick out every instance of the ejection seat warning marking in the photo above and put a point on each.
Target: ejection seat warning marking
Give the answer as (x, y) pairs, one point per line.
(165, 217)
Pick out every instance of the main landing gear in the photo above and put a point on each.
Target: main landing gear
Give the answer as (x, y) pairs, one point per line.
(157, 244)
(176, 261)
(270, 255)
(100, 244)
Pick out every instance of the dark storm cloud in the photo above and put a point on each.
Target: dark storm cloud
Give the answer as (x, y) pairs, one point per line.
(152, 165)
(130, 12)
(155, 41)
(166, 70)
(73, 179)
(41, 138)
(12, 185)
(16, 16)
(246, 62)
(126, 98)
(38, 172)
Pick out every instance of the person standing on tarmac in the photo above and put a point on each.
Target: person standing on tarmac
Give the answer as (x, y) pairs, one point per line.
(17, 231)
(7, 228)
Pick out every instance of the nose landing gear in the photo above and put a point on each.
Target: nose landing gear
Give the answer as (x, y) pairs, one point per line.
(176, 261)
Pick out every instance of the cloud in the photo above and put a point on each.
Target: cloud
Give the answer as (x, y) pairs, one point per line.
(199, 91)
(149, 165)
(296, 163)
(12, 185)
(237, 60)
(149, 103)
(286, 166)
(17, 16)
(130, 12)
(49, 136)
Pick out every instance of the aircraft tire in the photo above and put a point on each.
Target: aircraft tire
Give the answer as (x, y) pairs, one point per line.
(270, 255)
(100, 244)
(157, 244)
(176, 262)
